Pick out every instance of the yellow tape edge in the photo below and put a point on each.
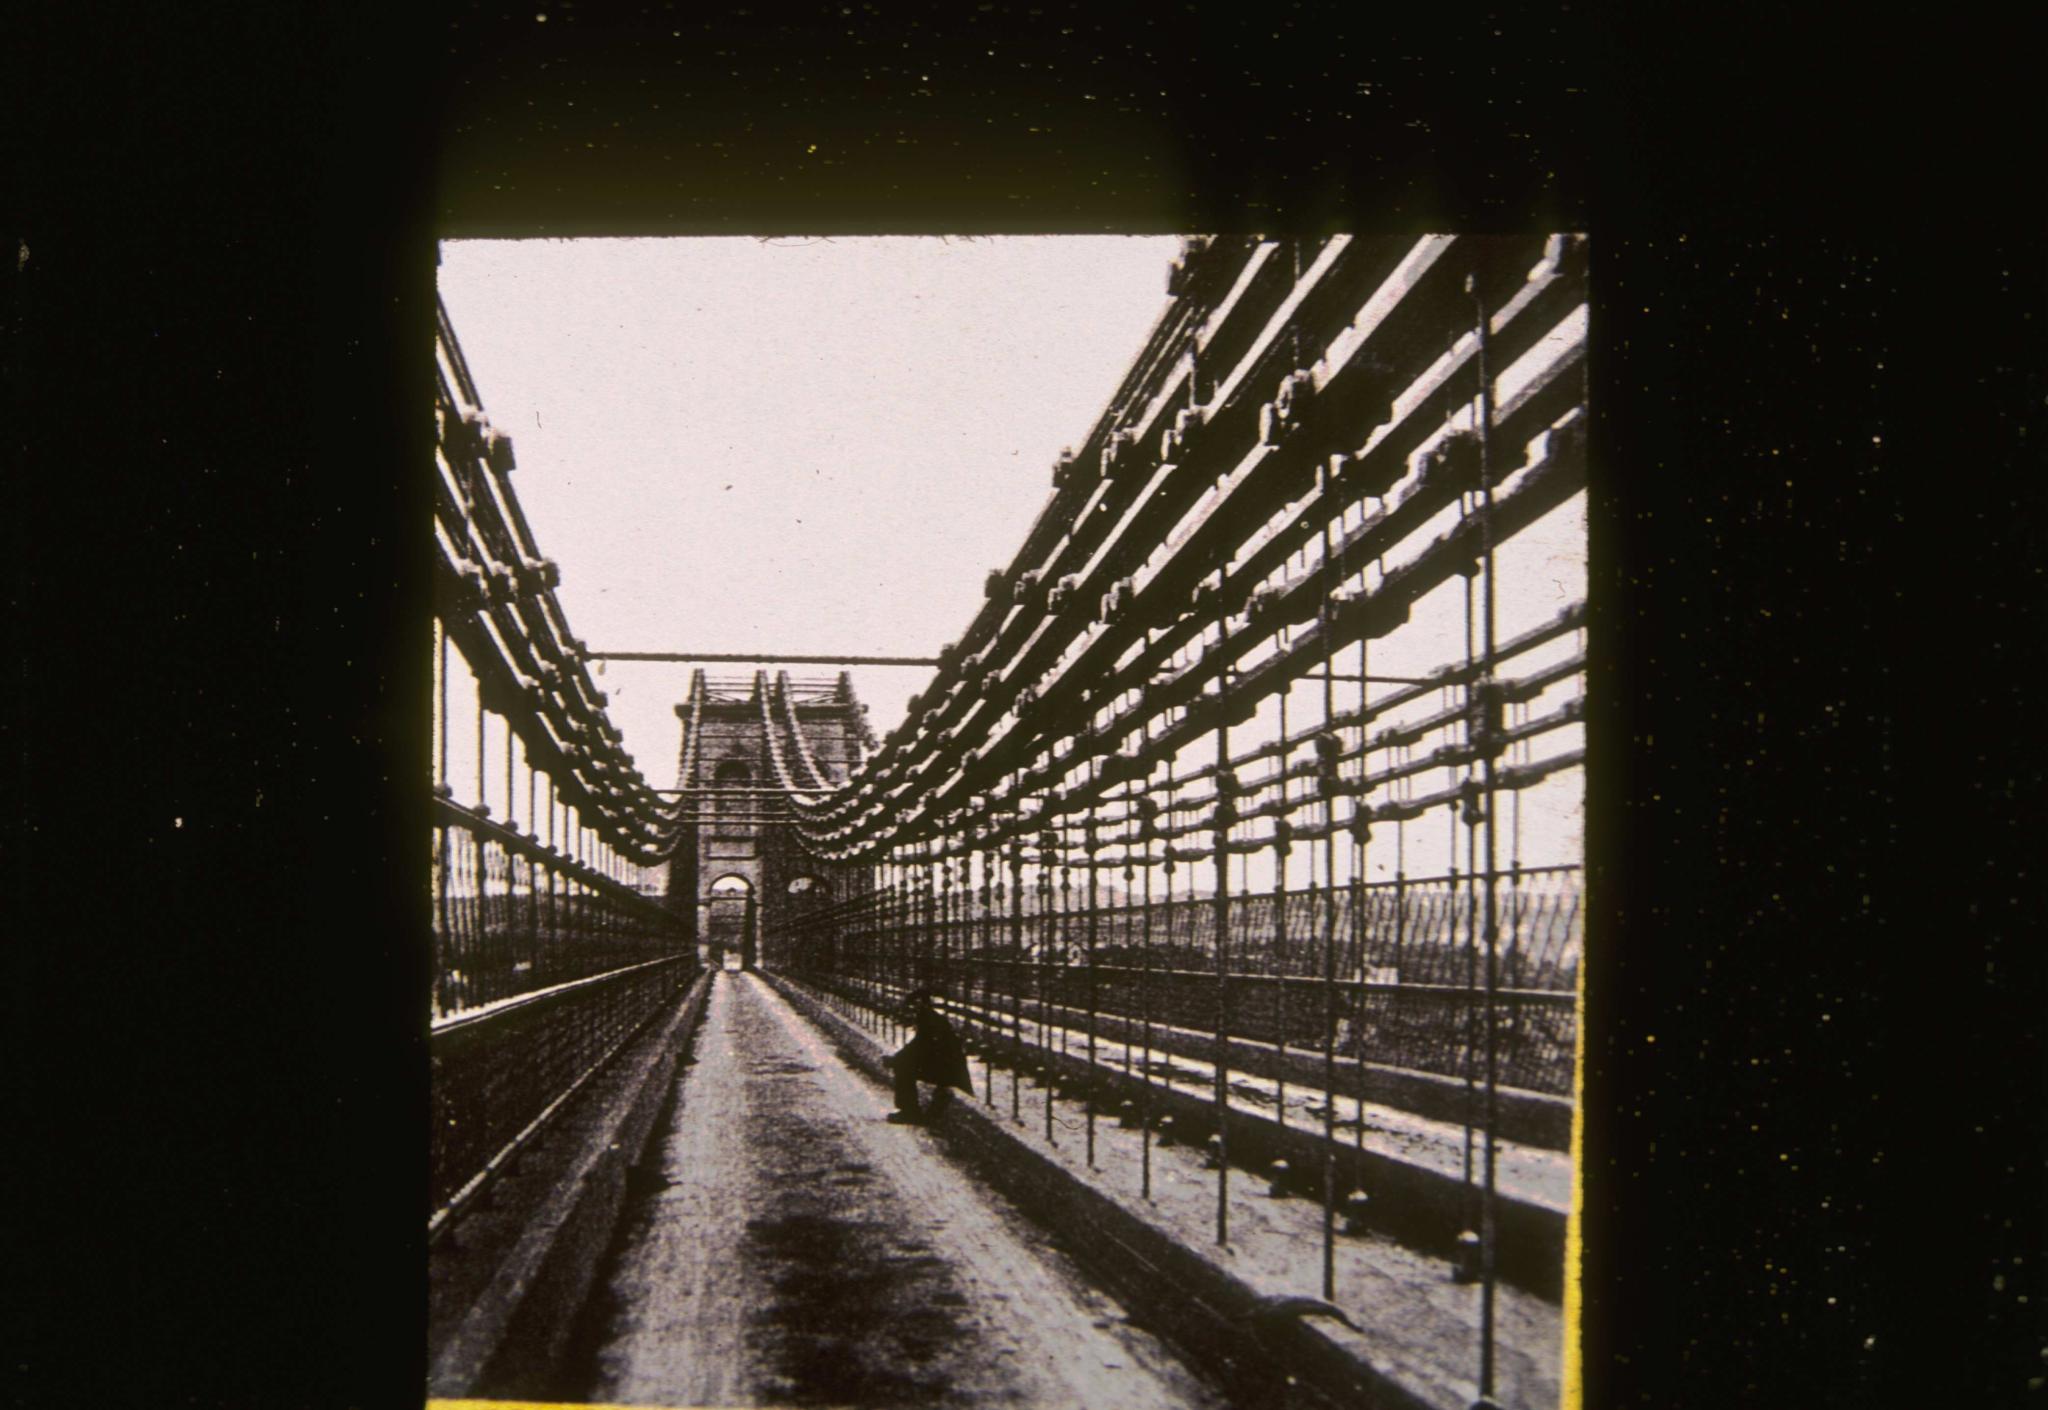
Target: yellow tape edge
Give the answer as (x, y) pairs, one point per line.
(1573, 1391)
(443, 1404)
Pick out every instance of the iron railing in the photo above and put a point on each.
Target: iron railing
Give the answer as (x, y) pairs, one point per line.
(512, 917)
(543, 969)
(545, 961)
(1402, 989)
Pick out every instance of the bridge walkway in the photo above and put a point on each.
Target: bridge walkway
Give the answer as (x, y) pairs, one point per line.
(798, 1249)
(1411, 1321)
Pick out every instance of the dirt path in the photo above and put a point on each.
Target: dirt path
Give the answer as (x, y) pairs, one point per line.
(805, 1252)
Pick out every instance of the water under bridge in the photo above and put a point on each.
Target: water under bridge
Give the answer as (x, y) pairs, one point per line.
(1235, 835)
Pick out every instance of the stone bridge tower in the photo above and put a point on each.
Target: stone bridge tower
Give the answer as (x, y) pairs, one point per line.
(740, 871)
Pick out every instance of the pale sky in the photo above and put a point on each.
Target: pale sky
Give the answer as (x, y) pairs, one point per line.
(735, 444)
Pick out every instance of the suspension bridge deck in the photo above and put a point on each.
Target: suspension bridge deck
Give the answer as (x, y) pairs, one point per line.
(798, 1249)
(774, 1240)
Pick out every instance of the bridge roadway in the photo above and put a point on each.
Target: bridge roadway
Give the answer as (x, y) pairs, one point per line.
(800, 1250)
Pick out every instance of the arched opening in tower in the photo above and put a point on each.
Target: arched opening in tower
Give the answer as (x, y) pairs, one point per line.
(730, 922)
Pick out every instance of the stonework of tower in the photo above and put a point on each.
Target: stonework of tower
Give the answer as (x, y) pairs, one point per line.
(739, 872)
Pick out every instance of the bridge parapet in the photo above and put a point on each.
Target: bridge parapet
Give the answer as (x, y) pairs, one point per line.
(550, 945)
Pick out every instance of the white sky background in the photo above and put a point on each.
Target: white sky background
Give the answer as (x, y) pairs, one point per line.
(822, 446)
(810, 446)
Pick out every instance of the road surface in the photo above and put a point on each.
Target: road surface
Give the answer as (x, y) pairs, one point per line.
(799, 1250)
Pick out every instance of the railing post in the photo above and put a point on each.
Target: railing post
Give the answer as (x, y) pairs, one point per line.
(1016, 971)
(891, 943)
(511, 777)
(1047, 852)
(1488, 1234)
(1148, 828)
(950, 940)
(1064, 912)
(905, 921)
(885, 910)
(1283, 850)
(550, 920)
(1088, 843)
(937, 892)
(991, 892)
(1226, 815)
(539, 960)
(1329, 747)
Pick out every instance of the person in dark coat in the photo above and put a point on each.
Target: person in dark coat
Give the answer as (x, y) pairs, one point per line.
(933, 1055)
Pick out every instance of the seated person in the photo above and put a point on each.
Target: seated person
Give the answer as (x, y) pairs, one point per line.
(933, 1055)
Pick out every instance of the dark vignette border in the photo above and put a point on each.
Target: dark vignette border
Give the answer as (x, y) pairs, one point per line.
(1816, 379)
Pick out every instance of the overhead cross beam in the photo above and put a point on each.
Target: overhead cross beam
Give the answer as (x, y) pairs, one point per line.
(765, 657)
(723, 790)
